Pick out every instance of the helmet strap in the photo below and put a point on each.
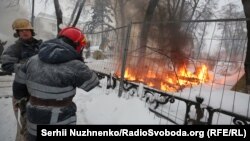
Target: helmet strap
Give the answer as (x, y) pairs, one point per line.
(33, 33)
(16, 35)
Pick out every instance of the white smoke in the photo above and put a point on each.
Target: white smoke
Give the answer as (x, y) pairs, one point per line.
(10, 11)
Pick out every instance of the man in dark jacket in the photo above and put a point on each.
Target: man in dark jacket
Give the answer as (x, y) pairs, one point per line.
(12, 58)
(52, 77)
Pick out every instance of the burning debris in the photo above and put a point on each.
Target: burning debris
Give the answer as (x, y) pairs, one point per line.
(161, 60)
(170, 81)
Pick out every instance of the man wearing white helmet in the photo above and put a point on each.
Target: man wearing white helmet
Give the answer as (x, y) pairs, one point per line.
(12, 58)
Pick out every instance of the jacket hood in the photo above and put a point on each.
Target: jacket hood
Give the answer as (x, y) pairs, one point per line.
(57, 51)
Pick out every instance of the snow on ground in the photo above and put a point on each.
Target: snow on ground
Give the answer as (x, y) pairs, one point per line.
(7, 120)
(99, 106)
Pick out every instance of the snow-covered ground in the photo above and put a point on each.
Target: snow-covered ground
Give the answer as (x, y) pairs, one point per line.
(99, 106)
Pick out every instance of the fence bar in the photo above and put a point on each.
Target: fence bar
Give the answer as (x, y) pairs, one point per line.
(125, 51)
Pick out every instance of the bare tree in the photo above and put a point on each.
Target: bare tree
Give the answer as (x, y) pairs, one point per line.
(246, 6)
(74, 12)
(168, 30)
(233, 32)
(119, 11)
(59, 17)
(101, 16)
(79, 12)
(147, 19)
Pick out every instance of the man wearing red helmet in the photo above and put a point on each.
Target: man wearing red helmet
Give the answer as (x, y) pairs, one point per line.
(52, 77)
(76, 36)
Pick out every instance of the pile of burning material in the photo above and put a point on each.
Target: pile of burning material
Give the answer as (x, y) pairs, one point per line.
(166, 80)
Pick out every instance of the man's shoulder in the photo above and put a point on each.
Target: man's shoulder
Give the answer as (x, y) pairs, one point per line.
(39, 41)
(11, 47)
(76, 64)
(16, 44)
(34, 58)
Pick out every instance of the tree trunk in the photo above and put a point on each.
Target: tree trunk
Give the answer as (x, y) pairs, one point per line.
(58, 14)
(146, 26)
(246, 6)
(32, 13)
(79, 13)
(120, 20)
(73, 13)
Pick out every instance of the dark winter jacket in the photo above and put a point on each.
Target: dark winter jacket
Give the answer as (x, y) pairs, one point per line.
(53, 75)
(19, 53)
(16, 55)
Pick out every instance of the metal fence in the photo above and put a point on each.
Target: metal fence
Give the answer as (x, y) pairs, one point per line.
(190, 72)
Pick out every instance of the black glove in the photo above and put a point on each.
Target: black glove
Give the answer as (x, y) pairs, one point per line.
(21, 104)
(99, 75)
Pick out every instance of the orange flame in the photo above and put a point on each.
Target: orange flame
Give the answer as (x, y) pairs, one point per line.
(169, 81)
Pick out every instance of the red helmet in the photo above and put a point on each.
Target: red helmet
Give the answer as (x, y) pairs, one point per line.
(75, 35)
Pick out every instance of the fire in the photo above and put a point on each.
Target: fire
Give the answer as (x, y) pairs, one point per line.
(203, 74)
(129, 75)
(169, 81)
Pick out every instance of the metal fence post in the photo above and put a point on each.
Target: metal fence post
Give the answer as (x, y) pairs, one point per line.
(124, 59)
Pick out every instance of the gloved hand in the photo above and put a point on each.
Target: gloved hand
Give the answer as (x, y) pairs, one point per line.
(15, 105)
(100, 76)
(21, 104)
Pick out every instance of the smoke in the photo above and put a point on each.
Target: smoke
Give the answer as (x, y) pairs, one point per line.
(135, 10)
(170, 40)
(10, 11)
